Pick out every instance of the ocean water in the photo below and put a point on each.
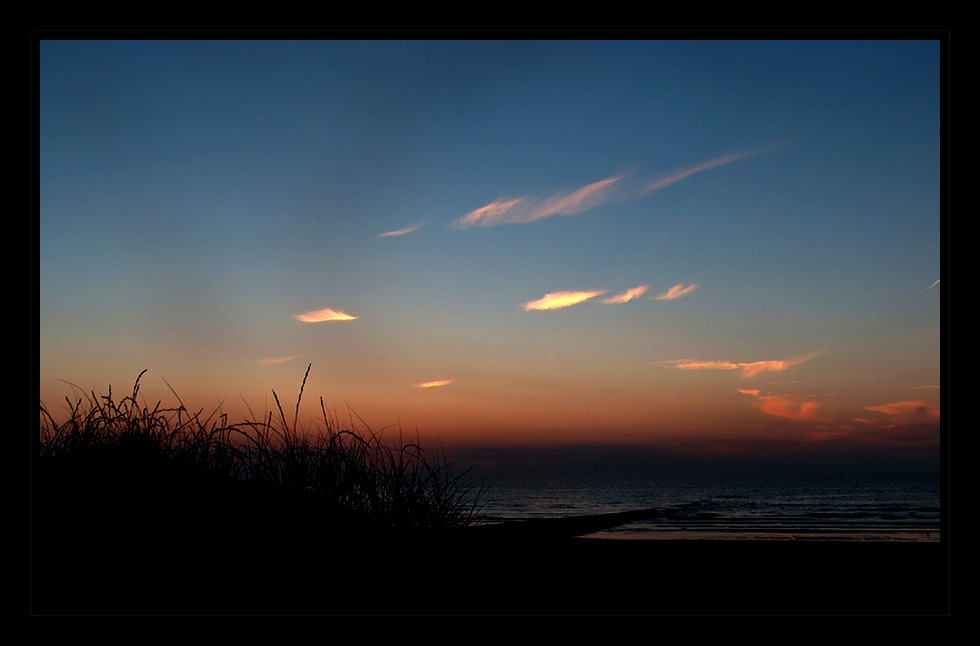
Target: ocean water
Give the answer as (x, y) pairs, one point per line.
(873, 507)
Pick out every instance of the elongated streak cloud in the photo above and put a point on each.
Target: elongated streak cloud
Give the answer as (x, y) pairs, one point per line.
(657, 184)
(626, 296)
(526, 209)
(749, 369)
(326, 314)
(677, 291)
(557, 300)
(930, 287)
(399, 232)
(434, 384)
(277, 360)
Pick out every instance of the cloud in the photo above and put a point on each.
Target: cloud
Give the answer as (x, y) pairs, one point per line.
(908, 411)
(626, 296)
(557, 300)
(326, 314)
(434, 384)
(661, 182)
(400, 232)
(783, 406)
(526, 209)
(677, 291)
(707, 365)
(749, 369)
(278, 359)
(930, 287)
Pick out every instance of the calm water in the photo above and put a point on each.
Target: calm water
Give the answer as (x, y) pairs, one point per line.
(868, 507)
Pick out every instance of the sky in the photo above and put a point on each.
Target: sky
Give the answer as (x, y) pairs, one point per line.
(689, 248)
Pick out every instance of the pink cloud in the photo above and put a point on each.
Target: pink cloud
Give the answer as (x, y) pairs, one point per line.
(626, 296)
(677, 291)
(526, 209)
(491, 214)
(399, 232)
(661, 182)
(278, 360)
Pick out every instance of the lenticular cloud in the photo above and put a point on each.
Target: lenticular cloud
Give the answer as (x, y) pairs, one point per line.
(434, 384)
(326, 314)
(558, 300)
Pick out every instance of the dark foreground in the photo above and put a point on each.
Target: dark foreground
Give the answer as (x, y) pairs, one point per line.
(301, 575)
(104, 549)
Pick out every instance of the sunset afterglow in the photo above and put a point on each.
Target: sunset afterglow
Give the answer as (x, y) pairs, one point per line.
(688, 248)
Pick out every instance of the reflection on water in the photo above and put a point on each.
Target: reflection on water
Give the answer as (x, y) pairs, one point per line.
(878, 507)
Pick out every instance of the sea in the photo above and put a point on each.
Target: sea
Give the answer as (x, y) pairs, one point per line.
(852, 507)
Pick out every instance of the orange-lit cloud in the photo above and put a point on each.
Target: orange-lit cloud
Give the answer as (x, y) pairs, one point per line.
(927, 387)
(399, 232)
(661, 182)
(626, 296)
(909, 411)
(749, 369)
(526, 209)
(783, 406)
(557, 300)
(326, 314)
(434, 384)
(677, 291)
(278, 359)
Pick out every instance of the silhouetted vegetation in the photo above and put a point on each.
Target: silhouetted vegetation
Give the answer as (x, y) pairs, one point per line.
(348, 473)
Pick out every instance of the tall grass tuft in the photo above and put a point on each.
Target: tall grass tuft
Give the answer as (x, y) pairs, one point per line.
(346, 469)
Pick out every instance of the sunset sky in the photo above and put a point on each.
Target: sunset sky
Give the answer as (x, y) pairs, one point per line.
(707, 247)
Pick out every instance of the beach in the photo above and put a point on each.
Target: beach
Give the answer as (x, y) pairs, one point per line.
(299, 575)
(133, 538)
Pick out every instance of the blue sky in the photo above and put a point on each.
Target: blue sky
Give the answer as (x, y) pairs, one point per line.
(197, 196)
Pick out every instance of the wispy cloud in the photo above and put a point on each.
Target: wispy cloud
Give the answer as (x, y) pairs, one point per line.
(400, 232)
(677, 291)
(908, 410)
(749, 369)
(326, 314)
(667, 180)
(527, 209)
(783, 406)
(930, 287)
(434, 384)
(278, 359)
(557, 300)
(626, 296)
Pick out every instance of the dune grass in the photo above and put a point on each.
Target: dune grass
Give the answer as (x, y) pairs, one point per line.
(348, 469)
